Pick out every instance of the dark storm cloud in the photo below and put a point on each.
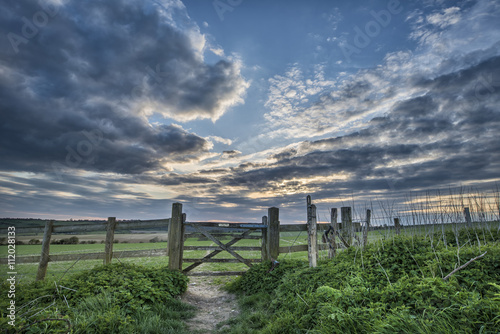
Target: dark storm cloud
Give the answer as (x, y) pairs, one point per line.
(423, 142)
(176, 179)
(230, 154)
(78, 80)
(434, 125)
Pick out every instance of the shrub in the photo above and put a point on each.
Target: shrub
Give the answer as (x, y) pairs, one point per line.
(395, 286)
(131, 285)
(155, 239)
(117, 298)
(73, 241)
(65, 241)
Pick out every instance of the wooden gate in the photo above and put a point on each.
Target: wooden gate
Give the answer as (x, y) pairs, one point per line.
(180, 230)
(236, 232)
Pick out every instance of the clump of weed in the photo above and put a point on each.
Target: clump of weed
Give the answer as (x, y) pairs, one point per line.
(388, 287)
(116, 298)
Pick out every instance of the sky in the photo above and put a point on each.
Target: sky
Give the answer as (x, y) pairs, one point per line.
(123, 107)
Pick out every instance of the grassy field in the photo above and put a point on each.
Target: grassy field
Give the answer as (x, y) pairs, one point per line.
(27, 272)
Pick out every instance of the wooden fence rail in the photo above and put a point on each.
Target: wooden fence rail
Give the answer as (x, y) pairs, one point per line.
(268, 231)
(110, 227)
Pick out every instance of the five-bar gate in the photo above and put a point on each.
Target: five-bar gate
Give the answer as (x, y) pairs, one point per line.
(180, 230)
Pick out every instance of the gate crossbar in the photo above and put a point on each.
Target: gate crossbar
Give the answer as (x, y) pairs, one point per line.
(224, 247)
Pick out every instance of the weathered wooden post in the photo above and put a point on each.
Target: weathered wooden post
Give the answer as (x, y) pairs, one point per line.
(332, 250)
(44, 257)
(183, 234)
(110, 236)
(468, 219)
(397, 226)
(312, 233)
(347, 232)
(273, 233)
(175, 238)
(264, 253)
(367, 227)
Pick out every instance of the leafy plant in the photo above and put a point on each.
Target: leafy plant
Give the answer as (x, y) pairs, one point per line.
(394, 286)
(118, 298)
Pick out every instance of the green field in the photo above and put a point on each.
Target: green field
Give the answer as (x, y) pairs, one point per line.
(27, 272)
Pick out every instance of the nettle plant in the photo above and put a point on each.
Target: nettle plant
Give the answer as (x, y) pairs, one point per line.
(132, 286)
(116, 298)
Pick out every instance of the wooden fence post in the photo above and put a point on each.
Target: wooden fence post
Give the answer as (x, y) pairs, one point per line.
(367, 227)
(332, 250)
(264, 253)
(183, 235)
(467, 217)
(175, 238)
(44, 257)
(397, 226)
(312, 233)
(347, 231)
(273, 233)
(110, 236)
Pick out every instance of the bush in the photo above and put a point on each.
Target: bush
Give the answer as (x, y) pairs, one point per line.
(66, 241)
(117, 298)
(131, 285)
(395, 286)
(34, 242)
(155, 239)
(73, 241)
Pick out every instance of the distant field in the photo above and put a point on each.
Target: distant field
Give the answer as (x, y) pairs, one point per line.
(140, 241)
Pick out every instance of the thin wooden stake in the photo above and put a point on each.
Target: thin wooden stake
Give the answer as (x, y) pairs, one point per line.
(367, 227)
(110, 236)
(397, 226)
(44, 257)
(312, 233)
(346, 231)
(332, 251)
(467, 217)
(264, 252)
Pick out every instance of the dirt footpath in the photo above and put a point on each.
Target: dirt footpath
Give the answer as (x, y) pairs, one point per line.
(214, 304)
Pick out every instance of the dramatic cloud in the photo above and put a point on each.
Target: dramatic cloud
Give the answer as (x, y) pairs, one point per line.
(309, 108)
(78, 81)
(403, 126)
(119, 105)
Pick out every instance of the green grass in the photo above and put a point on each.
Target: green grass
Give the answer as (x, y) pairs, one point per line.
(58, 269)
(107, 299)
(392, 286)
